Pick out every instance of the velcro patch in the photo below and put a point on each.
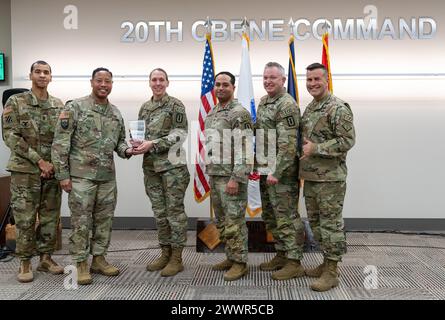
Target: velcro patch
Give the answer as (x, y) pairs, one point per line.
(347, 117)
(285, 112)
(64, 115)
(8, 118)
(64, 123)
(347, 126)
(290, 121)
(179, 118)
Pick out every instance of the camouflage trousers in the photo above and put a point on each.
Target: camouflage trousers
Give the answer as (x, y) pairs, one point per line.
(230, 211)
(324, 204)
(166, 191)
(281, 216)
(92, 205)
(32, 196)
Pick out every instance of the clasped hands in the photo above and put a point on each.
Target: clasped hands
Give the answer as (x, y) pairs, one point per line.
(46, 169)
(140, 146)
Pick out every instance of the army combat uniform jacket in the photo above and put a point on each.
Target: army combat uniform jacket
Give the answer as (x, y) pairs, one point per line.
(329, 124)
(229, 161)
(280, 113)
(166, 126)
(28, 130)
(86, 136)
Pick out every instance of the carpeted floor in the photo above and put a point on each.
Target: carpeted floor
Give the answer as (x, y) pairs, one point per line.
(377, 266)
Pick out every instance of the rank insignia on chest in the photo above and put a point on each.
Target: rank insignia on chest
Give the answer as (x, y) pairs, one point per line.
(64, 123)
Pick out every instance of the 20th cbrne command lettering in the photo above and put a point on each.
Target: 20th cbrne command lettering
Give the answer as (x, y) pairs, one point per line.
(421, 28)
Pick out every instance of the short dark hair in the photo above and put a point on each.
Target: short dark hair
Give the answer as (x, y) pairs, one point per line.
(99, 70)
(40, 62)
(161, 70)
(227, 73)
(317, 65)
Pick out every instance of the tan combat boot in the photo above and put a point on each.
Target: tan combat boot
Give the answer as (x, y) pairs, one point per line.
(292, 269)
(83, 273)
(236, 271)
(49, 265)
(328, 279)
(100, 265)
(25, 271)
(162, 261)
(278, 262)
(174, 265)
(223, 266)
(317, 271)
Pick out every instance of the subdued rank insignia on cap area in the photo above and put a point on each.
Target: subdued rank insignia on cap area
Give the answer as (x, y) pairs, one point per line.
(290, 121)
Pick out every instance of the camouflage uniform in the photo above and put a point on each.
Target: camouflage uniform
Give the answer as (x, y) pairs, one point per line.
(87, 133)
(166, 176)
(329, 124)
(279, 201)
(28, 130)
(224, 165)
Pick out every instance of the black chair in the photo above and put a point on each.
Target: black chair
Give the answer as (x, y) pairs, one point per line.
(10, 92)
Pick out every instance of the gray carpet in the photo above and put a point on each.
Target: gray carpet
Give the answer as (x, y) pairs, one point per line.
(408, 267)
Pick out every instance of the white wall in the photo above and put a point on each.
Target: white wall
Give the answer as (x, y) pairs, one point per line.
(395, 169)
(5, 47)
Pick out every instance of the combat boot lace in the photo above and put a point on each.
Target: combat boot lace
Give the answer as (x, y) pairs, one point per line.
(292, 269)
(317, 271)
(328, 279)
(277, 262)
(100, 265)
(47, 264)
(223, 266)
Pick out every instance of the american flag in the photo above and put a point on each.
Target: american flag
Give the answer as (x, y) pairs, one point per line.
(201, 185)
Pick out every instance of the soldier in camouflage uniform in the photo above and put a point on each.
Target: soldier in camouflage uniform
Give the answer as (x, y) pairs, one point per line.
(166, 176)
(29, 120)
(328, 133)
(278, 113)
(228, 169)
(88, 131)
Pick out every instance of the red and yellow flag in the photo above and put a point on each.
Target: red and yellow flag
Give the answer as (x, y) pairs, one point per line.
(325, 59)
